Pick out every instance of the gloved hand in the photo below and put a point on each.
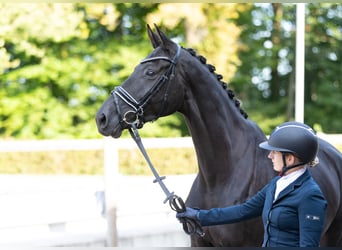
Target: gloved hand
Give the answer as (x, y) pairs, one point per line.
(190, 213)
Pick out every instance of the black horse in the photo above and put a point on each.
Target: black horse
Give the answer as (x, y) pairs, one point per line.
(231, 167)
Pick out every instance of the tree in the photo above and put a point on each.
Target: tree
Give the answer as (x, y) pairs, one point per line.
(324, 72)
(268, 63)
(57, 69)
(209, 29)
(26, 33)
(65, 73)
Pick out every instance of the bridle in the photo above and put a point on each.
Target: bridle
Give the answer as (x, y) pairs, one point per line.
(136, 114)
(134, 118)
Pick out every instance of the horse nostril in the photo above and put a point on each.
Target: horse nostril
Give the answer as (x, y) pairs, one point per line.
(102, 120)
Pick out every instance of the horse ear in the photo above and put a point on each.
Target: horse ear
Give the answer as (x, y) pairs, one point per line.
(153, 37)
(164, 40)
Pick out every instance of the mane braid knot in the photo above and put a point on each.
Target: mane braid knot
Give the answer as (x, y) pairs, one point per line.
(219, 77)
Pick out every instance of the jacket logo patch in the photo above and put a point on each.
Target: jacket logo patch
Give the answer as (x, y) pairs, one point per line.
(312, 217)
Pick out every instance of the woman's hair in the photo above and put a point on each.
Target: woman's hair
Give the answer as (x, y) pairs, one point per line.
(310, 164)
(313, 163)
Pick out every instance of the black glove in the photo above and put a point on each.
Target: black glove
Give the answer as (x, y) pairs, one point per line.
(190, 213)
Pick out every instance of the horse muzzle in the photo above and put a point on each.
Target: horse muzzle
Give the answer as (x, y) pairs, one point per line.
(108, 125)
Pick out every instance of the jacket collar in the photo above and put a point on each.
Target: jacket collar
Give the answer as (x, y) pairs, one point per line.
(297, 183)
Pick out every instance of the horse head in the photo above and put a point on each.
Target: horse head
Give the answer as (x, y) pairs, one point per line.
(146, 94)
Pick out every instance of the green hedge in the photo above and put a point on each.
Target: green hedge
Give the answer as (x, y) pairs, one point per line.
(131, 162)
(167, 161)
(52, 162)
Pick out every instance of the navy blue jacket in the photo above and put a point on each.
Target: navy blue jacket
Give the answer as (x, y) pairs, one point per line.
(294, 219)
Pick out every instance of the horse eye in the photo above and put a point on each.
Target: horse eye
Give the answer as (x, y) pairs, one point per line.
(149, 72)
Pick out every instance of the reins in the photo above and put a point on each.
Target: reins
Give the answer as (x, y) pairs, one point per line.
(134, 119)
(176, 203)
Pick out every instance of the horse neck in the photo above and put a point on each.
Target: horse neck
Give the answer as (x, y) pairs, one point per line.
(219, 131)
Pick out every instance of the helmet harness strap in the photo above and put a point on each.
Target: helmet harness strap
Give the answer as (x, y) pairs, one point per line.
(287, 168)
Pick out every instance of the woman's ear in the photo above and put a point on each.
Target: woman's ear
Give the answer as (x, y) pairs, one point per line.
(291, 159)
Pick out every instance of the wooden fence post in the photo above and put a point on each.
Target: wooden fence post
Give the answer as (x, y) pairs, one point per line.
(111, 170)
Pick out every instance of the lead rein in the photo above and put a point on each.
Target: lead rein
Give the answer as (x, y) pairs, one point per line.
(176, 203)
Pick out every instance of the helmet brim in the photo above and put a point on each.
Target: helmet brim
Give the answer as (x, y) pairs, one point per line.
(269, 147)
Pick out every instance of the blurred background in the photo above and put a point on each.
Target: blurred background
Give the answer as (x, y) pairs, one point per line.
(59, 62)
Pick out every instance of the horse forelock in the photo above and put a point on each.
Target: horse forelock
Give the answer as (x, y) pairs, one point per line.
(219, 78)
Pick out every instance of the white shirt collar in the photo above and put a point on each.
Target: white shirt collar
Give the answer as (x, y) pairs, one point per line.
(286, 180)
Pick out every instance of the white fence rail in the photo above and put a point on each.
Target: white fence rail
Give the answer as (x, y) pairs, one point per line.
(115, 187)
(99, 144)
(112, 179)
(89, 144)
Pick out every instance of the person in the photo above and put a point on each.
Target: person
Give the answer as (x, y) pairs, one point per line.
(292, 205)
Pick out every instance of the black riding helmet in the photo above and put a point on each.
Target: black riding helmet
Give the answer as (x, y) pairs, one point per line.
(295, 138)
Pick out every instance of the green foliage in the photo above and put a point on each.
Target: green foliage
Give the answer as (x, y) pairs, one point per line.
(324, 74)
(52, 162)
(168, 161)
(265, 79)
(57, 68)
(266, 124)
(170, 126)
(131, 162)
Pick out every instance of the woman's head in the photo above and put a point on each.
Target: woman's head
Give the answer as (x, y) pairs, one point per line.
(296, 139)
(280, 159)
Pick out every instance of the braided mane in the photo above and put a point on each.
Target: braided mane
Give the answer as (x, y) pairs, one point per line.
(219, 77)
